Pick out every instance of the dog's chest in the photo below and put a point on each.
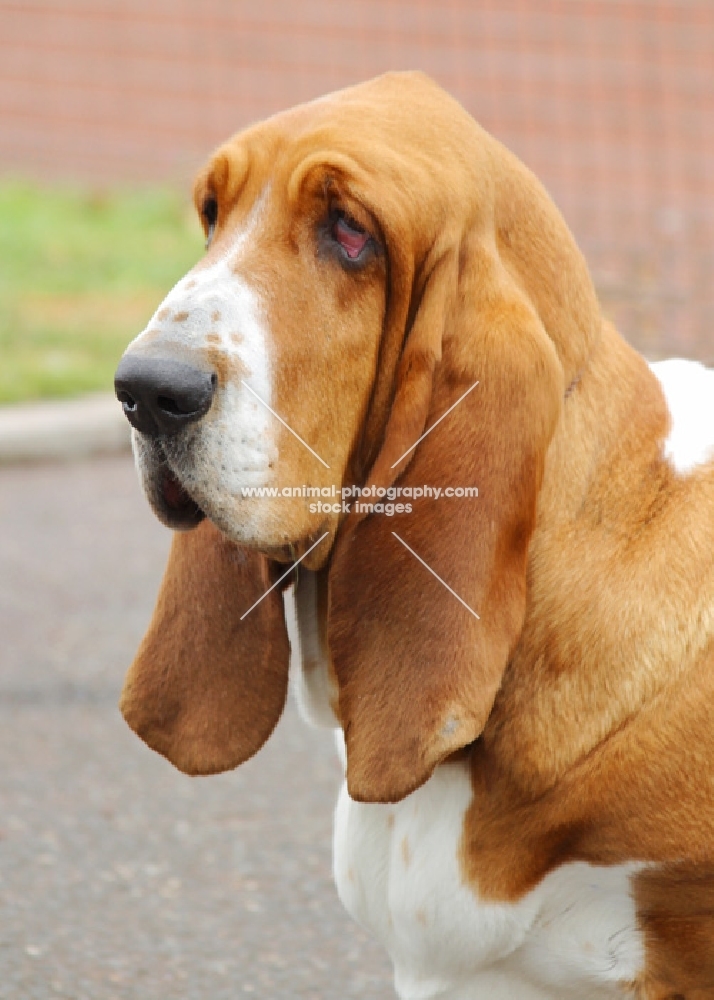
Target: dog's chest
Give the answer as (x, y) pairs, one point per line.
(397, 872)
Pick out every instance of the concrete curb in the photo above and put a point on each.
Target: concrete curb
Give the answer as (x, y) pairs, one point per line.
(73, 428)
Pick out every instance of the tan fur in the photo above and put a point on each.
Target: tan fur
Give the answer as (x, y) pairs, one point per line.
(675, 911)
(583, 694)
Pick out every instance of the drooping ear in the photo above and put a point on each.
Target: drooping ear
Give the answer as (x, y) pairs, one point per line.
(207, 689)
(417, 670)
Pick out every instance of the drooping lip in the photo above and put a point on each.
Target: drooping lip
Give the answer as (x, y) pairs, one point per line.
(178, 510)
(170, 501)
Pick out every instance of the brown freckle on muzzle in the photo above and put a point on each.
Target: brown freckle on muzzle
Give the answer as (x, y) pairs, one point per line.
(228, 369)
(163, 313)
(180, 317)
(213, 337)
(236, 338)
(190, 284)
(215, 315)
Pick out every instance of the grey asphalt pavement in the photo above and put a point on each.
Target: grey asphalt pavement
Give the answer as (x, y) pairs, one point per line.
(120, 877)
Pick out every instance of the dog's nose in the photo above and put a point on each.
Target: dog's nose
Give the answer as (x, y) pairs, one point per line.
(160, 395)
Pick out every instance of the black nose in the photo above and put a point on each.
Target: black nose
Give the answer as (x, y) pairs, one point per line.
(160, 395)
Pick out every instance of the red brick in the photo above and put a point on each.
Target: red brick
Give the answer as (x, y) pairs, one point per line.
(611, 102)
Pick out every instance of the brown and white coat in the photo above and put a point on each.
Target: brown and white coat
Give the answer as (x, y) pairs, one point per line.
(528, 810)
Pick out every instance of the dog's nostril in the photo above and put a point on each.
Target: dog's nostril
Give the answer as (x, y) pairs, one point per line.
(127, 401)
(169, 405)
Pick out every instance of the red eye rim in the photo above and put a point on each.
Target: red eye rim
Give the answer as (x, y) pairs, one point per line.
(349, 235)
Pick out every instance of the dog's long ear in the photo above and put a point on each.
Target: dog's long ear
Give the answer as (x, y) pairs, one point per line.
(207, 689)
(417, 669)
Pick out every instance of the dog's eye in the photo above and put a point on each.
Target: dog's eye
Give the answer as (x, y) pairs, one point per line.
(209, 212)
(349, 234)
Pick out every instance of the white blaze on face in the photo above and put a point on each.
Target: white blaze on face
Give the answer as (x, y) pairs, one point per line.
(215, 319)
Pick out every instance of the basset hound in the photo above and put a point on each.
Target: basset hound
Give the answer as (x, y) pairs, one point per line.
(522, 680)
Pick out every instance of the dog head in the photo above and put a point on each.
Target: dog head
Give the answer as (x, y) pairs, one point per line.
(388, 296)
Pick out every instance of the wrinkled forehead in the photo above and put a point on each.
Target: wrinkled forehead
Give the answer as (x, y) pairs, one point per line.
(400, 130)
(267, 153)
(386, 139)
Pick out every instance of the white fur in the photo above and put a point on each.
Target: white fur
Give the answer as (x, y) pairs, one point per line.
(689, 390)
(313, 683)
(397, 872)
(396, 867)
(235, 444)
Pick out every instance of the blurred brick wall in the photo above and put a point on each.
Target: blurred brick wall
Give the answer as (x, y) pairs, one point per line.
(611, 102)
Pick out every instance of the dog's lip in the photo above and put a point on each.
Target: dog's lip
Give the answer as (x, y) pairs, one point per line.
(174, 505)
(175, 496)
(178, 508)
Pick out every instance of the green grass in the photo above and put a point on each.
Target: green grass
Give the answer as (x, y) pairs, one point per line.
(80, 275)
